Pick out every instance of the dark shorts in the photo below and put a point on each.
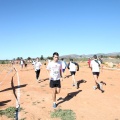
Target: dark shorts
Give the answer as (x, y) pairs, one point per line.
(72, 72)
(63, 70)
(55, 83)
(96, 73)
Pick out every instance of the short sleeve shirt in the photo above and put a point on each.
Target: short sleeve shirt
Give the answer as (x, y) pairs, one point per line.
(55, 68)
(95, 66)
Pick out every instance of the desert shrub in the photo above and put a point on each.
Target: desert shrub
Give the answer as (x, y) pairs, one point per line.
(63, 114)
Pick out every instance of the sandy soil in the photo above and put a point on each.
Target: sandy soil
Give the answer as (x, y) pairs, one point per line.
(36, 100)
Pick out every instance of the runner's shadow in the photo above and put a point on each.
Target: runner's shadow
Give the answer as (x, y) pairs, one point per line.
(79, 82)
(2, 103)
(14, 90)
(27, 69)
(69, 97)
(103, 83)
(67, 76)
(43, 80)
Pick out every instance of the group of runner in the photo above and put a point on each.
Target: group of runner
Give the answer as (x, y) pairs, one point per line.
(56, 71)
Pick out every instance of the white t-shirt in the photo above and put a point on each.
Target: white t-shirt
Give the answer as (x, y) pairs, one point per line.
(55, 68)
(95, 66)
(49, 61)
(72, 66)
(21, 62)
(63, 64)
(37, 65)
(33, 63)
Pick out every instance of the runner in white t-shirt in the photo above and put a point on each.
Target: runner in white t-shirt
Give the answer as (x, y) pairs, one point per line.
(64, 66)
(37, 67)
(55, 74)
(73, 67)
(95, 67)
(21, 63)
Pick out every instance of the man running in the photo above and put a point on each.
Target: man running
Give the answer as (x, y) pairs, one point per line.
(64, 66)
(55, 75)
(95, 67)
(21, 63)
(89, 60)
(37, 67)
(72, 66)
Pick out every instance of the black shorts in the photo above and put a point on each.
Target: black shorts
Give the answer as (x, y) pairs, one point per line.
(96, 73)
(55, 83)
(72, 72)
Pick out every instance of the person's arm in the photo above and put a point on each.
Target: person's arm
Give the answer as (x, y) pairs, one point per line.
(40, 65)
(77, 66)
(91, 65)
(68, 66)
(101, 67)
(61, 72)
(48, 71)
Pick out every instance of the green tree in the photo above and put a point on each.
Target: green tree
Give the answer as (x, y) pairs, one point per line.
(118, 56)
(29, 58)
(3, 62)
(50, 58)
(41, 58)
(18, 58)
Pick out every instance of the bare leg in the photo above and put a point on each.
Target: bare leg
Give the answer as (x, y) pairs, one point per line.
(74, 81)
(58, 90)
(54, 91)
(96, 79)
(97, 82)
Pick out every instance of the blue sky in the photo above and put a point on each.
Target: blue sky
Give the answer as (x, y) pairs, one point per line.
(41, 27)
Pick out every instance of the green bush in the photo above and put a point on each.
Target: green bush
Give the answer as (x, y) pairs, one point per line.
(3, 62)
(9, 112)
(63, 114)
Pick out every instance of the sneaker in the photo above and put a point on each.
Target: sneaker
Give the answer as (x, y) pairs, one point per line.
(54, 105)
(73, 85)
(94, 87)
(102, 91)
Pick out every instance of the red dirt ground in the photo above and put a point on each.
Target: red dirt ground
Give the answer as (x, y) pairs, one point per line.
(36, 100)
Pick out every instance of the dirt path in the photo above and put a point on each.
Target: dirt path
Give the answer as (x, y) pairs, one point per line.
(88, 104)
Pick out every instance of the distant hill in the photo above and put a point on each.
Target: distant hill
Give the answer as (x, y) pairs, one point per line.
(89, 55)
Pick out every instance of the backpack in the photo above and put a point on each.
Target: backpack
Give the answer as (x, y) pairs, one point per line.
(97, 62)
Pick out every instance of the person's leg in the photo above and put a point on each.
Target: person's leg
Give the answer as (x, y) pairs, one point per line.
(97, 82)
(38, 74)
(63, 73)
(73, 79)
(96, 79)
(58, 90)
(100, 84)
(54, 92)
